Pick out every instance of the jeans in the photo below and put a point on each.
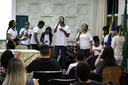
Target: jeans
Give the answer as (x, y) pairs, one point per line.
(63, 54)
(87, 52)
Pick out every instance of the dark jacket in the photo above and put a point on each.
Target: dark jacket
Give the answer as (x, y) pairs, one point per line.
(50, 37)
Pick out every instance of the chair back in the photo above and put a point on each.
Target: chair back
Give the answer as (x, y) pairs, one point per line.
(60, 81)
(21, 47)
(44, 76)
(112, 73)
(124, 78)
(72, 73)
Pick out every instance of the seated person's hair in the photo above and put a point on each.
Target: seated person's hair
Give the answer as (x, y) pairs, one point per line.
(83, 71)
(5, 57)
(44, 50)
(80, 55)
(96, 38)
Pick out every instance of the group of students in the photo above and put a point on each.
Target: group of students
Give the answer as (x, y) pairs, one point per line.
(28, 36)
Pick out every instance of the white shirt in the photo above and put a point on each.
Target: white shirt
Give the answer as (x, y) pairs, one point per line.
(26, 42)
(46, 39)
(61, 39)
(35, 30)
(13, 33)
(84, 40)
(70, 67)
(98, 48)
(105, 39)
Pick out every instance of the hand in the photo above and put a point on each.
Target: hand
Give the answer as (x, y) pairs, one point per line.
(61, 29)
(38, 45)
(36, 57)
(59, 22)
(18, 54)
(43, 42)
(14, 44)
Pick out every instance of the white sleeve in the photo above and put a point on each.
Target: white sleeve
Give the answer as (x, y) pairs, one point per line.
(77, 35)
(36, 30)
(113, 43)
(69, 68)
(9, 31)
(90, 37)
(21, 30)
(68, 31)
(106, 38)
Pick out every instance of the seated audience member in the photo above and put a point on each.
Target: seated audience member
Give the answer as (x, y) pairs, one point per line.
(5, 57)
(16, 74)
(43, 63)
(96, 49)
(106, 58)
(79, 57)
(83, 71)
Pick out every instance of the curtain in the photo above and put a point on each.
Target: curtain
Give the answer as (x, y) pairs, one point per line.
(101, 18)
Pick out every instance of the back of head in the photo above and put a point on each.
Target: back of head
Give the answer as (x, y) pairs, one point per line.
(119, 29)
(41, 23)
(96, 38)
(108, 56)
(16, 74)
(5, 57)
(80, 55)
(83, 71)
(44, 50)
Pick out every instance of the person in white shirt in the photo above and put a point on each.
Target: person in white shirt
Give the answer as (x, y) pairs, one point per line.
(62, 32)
(35, 39)
(79, 56)
(105, 36)
(25, 34)
(96, 50)
(46, 37)
(12, 37)
(117, 45)
(85, 40)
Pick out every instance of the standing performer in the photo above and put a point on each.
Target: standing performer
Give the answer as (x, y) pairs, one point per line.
(25, 34)
(62, 32)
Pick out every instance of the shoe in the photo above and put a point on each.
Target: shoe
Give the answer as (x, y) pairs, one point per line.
(64, 71)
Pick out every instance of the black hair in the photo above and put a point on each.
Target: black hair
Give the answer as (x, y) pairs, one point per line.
(80, 55)
(108, 56)
(83, 70)
(9, 26)
(106, 28)
(96, 38)
(41, 23)
(86, 26)
(44, 49)
(28, 23)
(5, 57)
(48, 28)
(61, 16)
(119, 29)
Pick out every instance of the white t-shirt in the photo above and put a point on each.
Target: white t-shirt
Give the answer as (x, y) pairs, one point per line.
(13, 33)
(61, 39)
(70, 67)
(35, 30)
(26, 42)
(46, 39)
(98, 48)
(105, 39)
(84, 40)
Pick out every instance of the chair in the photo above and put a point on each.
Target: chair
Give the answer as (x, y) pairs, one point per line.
(124, 78)
(60, 81)
(21, 47)
(96, 77)
(112, 73)
(72, 73)
(44, 76)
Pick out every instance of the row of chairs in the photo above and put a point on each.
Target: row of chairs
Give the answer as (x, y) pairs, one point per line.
(111, 73)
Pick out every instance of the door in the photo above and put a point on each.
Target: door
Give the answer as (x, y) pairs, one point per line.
(20, 20)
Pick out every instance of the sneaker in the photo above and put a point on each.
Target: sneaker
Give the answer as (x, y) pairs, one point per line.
(64, 71)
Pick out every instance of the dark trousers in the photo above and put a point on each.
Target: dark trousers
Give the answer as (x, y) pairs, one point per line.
(35, 46)
(91, 61)
(63, 54)
(87, 52)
